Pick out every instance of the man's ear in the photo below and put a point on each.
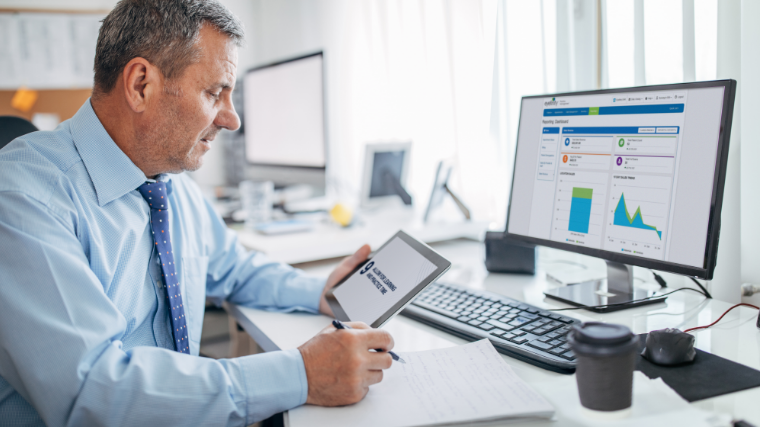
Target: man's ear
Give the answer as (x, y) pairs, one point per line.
(141, 81)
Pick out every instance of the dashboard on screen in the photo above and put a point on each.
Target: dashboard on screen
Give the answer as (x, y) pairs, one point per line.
(630, 173)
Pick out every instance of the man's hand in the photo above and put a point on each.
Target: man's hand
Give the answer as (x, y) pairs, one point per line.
(339, 366)
(346, 266)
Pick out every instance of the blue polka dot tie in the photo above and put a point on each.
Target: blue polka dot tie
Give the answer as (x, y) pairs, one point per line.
(158, 200)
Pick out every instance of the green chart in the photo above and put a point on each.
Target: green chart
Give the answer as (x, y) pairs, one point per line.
(624, 219)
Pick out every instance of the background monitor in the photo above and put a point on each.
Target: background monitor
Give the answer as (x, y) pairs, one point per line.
(284, 122)
(634, 176)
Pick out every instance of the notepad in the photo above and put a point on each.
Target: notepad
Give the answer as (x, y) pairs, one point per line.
(468, 384)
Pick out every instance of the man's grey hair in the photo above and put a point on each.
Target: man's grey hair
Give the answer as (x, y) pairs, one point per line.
(164, 32)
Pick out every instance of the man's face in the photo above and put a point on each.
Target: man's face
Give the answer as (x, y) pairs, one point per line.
(194, 107)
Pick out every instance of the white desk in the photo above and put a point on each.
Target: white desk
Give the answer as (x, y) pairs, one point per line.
(329, 240)
(735, 338)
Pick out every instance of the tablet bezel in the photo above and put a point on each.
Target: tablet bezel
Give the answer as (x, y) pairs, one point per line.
(441, 266)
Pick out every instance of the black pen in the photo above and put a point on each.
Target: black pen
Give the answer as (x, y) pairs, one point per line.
(340, 325)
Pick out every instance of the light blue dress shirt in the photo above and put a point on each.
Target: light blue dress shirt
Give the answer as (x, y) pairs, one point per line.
(85, 337)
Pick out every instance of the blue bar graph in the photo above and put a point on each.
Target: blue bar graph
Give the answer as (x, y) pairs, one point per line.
(580, 210)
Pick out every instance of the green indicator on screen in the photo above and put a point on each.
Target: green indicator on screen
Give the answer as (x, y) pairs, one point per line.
(582, 193)
(593, 111)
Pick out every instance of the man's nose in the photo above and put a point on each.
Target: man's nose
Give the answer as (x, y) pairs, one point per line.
(227, 117)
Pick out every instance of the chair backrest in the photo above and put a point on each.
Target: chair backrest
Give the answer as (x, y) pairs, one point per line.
(11, 127)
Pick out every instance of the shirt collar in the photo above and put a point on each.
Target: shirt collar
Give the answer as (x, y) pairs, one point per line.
(113, 174)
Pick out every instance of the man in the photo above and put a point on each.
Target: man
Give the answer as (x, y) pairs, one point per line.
(107, 260)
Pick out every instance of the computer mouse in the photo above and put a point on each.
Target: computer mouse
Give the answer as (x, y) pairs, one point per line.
(668, 347)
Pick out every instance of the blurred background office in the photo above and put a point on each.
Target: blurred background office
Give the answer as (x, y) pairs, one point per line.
(447, 76)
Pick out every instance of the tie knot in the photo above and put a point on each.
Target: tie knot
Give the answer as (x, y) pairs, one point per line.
(155, 194)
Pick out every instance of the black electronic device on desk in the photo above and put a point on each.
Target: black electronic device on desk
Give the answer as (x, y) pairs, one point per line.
(519, 330)
(634, 176)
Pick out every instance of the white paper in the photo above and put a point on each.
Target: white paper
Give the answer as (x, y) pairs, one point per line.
(47, 51)
(452, 385)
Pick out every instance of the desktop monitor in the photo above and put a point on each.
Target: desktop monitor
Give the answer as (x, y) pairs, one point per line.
(284, 122)
(633, 176)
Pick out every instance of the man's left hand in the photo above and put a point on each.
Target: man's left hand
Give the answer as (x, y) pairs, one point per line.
(345, 267)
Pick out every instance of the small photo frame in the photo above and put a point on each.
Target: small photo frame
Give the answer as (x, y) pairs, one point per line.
(386, 166)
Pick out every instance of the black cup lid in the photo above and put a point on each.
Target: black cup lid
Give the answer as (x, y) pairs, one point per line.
(605, 334)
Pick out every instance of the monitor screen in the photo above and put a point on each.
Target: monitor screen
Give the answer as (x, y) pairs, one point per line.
(630, 173)
(284, 114)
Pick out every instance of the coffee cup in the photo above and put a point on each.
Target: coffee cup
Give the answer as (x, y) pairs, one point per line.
(606, 356)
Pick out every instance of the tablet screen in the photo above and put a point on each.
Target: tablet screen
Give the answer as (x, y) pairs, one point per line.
(381, 283)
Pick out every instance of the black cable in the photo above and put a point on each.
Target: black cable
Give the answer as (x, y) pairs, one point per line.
(707, 294)
(629, 302)
(659, 279)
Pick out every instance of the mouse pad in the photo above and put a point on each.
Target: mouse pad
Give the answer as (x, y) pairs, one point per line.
(708, 376)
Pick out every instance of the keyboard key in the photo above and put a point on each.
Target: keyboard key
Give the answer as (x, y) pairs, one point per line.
(486, 326)
(539, 331)
(438, 310)
(519, 333)
(529, 315)
(474, 322)
(464, 319)
(552, 335)
(519, 321)
(546, 339)
(501, 325)
(483, 318)
(540, 345)
(568, 355)
(498, 332)
(519, 340)
(508, 336)
(557, 351)
(532, 311)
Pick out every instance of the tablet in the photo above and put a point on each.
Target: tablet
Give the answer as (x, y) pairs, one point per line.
(383, 285)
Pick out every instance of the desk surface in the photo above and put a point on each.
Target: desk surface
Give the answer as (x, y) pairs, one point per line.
(735, 338)
(329, 240)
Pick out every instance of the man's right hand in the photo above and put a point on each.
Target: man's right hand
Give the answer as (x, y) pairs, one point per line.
(339, 366)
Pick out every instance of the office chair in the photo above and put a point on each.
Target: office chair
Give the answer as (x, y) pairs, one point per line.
(11, 127)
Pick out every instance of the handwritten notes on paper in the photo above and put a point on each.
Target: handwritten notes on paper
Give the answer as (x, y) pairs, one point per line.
(47, 50)
(460, 384)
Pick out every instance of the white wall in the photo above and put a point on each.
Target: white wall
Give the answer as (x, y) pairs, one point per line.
(750, 172)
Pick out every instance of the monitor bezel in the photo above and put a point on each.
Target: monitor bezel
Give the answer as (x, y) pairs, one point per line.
(324, 111)
(716, 203)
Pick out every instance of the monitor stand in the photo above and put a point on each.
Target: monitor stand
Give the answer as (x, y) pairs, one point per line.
(617, 288)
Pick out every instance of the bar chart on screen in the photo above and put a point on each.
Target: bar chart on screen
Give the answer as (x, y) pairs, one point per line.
(579, 207)
(637, 214)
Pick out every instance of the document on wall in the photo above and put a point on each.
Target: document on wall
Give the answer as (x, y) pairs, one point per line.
(467, 384)
(48, 50)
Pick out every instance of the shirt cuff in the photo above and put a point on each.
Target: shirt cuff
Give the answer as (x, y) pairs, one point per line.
(269, 383)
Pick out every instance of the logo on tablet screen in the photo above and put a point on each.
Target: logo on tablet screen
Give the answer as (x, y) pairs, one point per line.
(367, 267)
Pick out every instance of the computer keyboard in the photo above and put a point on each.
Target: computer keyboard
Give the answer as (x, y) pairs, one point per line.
(514, 328)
